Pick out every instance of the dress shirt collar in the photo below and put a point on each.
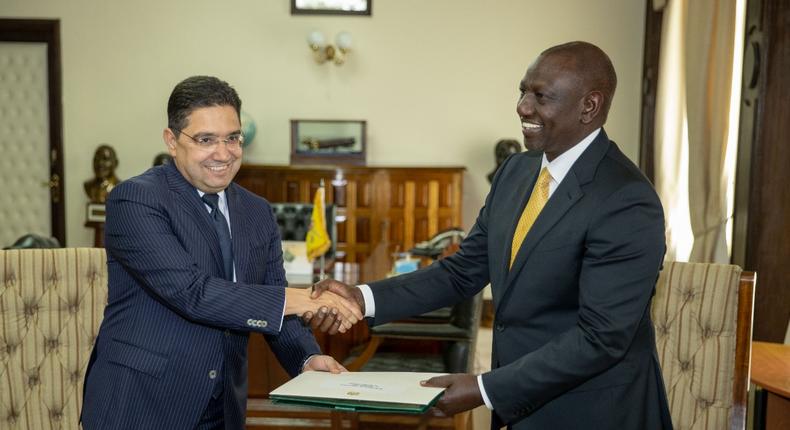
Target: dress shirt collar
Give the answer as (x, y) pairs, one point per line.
(222, 203)
(560, 166)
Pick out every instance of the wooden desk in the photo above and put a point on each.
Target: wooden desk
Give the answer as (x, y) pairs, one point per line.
(262, 414)
(771, 371)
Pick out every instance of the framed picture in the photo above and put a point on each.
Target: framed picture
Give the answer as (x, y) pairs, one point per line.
(331, 7)
(328, 141)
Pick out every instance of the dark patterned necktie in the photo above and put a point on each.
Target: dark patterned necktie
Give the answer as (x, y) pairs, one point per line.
(221, 225)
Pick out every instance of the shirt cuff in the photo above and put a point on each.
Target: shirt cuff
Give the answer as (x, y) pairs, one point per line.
(307, 360)
(483, 392)
(282, 316)
(370, 304)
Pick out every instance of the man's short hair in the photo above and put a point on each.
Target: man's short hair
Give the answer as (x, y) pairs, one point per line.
(592, 63)
(198, 92)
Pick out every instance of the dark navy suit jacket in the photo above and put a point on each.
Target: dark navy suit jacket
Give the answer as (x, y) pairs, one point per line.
(573, 343)
(174, 328)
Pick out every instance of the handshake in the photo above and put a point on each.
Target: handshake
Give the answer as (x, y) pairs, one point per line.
(330, 306)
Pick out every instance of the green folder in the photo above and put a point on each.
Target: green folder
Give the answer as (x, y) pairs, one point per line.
(357, 406)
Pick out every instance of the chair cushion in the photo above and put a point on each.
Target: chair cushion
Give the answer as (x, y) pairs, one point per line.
(51, 305)
(694, 313)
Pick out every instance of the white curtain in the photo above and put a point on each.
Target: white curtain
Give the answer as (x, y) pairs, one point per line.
(696, 124)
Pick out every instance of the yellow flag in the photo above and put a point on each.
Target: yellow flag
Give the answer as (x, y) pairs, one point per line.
(318, 241)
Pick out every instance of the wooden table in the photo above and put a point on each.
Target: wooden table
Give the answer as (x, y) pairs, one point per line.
(771, 371)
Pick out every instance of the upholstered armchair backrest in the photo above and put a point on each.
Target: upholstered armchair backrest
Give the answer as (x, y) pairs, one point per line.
(700, 344)
(51, 305)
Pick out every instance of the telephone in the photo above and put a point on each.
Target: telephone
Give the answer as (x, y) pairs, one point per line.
(434, 246)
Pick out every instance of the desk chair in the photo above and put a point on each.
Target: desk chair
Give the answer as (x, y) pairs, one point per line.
(51, 305)
(459, 334)
(702, 315)
(294, 219)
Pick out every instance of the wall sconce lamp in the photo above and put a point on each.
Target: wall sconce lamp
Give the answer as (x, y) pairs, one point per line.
(323, 52)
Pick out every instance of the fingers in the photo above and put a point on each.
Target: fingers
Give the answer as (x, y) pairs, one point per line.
(324, 363)
(335, 367)
(349, 309)
(462, 392)
(328, 321)
(337, 287)
(314, 320)
(326, 285)
(438, 381)
(325, 320)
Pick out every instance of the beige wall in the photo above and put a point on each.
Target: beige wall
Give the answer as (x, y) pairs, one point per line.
(436, 80)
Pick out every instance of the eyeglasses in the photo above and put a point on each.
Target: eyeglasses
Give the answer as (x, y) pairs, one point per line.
(210, 142)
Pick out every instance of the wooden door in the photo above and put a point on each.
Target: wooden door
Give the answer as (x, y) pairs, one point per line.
(30, 130)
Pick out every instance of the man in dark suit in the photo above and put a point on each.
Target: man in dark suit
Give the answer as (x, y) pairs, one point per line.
(571, 239)
(195, 265)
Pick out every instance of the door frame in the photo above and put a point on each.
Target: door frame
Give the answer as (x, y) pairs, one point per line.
(47, 31)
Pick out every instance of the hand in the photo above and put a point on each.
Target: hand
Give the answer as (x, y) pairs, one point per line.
(325, 319)
(299, 302)
(323, 363)
(461, 394)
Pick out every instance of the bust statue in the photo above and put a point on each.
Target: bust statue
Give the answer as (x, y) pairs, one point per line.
(104, 164)
(503, 148)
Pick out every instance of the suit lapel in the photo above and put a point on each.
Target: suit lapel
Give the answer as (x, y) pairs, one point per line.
(531, 176)
(239, 233)
(561, 201)
(194, 208)
(565, 196)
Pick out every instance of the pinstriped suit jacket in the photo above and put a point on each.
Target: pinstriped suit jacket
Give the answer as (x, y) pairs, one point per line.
(573, 344)
(173, 327)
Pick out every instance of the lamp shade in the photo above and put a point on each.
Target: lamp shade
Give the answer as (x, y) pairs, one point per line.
(316, 38)
(343, 40)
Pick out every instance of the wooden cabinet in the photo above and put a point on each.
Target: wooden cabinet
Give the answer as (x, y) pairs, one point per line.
(380, 210)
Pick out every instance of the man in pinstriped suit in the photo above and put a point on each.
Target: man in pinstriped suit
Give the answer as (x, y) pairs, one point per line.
(187, 284)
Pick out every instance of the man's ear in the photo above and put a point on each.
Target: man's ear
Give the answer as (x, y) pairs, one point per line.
(170, 141)
(591, 106)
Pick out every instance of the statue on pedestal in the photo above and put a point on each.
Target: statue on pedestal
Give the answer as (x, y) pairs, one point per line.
(104, 163)
(503, 148)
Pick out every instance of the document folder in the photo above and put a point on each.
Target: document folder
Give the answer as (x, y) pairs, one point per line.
(383, 392)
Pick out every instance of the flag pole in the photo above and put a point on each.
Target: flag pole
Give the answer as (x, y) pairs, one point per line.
(321, 274)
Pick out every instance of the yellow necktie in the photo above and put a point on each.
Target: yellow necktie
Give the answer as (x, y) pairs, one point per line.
(538, 199)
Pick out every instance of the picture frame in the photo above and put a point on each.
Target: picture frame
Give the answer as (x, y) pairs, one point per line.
(328, 141)
(332, 7)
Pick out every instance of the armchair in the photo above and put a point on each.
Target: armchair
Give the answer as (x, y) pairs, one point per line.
(702, 314)
(51, 306)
